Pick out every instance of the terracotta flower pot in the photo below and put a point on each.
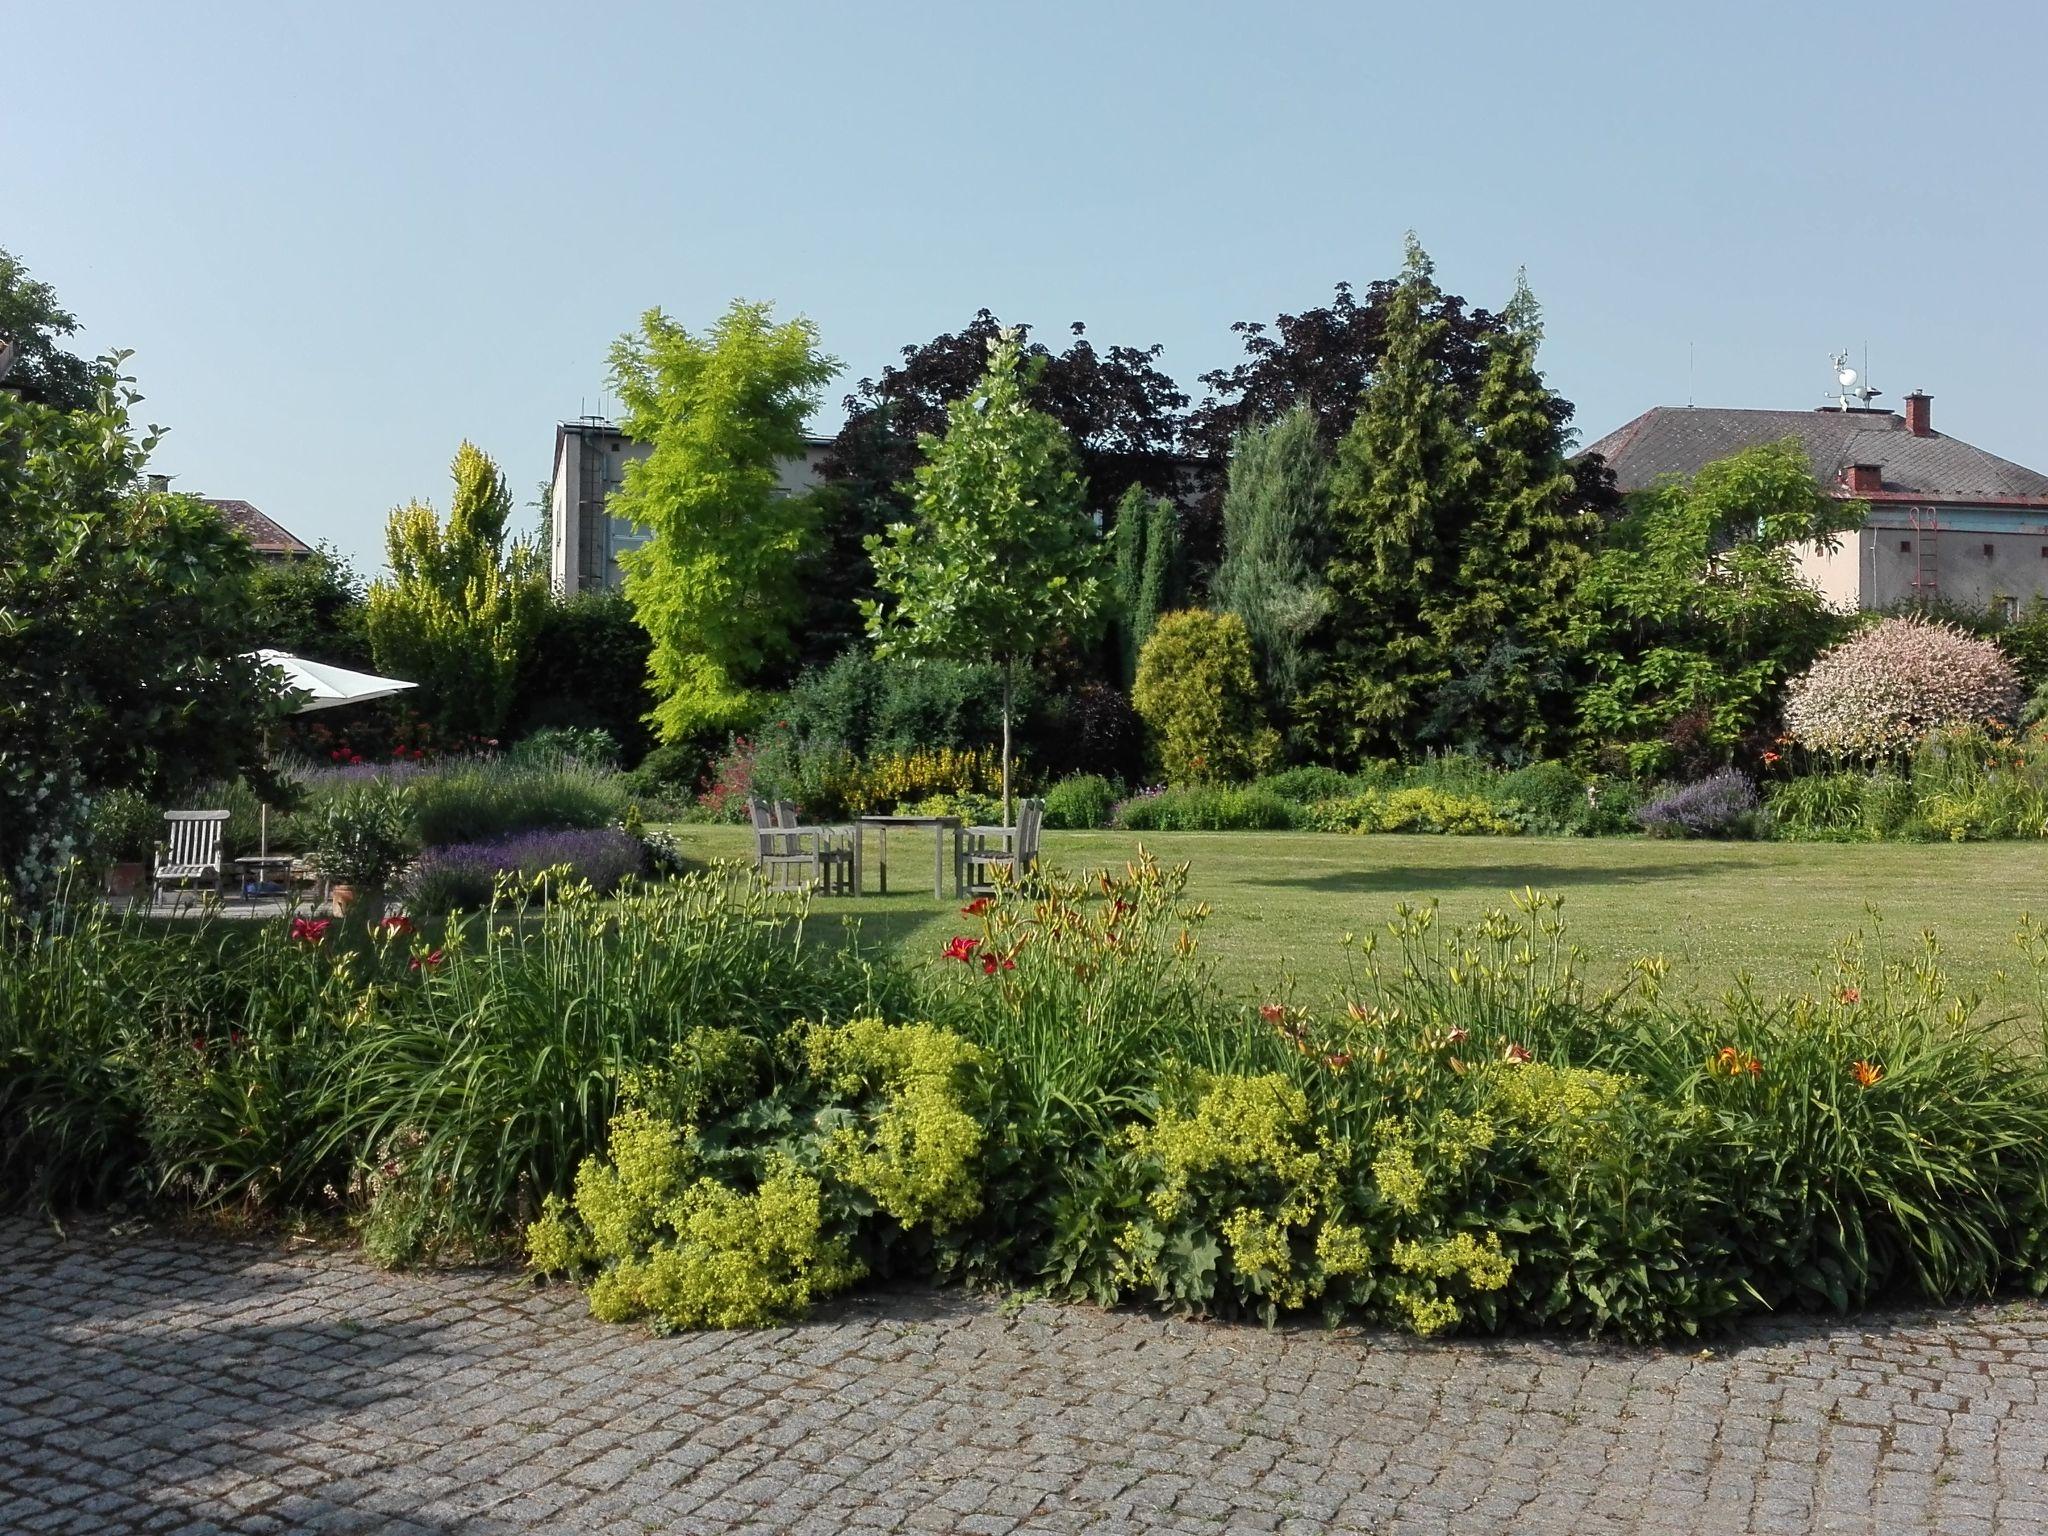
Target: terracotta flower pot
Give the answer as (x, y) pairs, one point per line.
(124, 878)
(358, 901)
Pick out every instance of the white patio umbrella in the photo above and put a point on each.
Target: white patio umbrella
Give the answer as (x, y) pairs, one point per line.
(322, 686)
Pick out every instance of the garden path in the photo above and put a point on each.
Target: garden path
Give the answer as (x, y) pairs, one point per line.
(151, 1381)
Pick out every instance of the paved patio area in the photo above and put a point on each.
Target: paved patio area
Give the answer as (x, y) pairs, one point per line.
(156, 1382)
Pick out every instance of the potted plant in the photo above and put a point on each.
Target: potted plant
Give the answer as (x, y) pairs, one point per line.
(125, 829)
(362, 838)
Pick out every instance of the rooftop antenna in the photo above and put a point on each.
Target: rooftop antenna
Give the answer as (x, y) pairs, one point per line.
(1854, 396)
(1688, 375)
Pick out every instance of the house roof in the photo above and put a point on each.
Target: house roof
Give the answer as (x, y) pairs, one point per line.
(270, 538)
(1681, 439)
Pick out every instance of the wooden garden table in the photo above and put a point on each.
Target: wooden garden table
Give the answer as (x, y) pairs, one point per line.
(940, 826)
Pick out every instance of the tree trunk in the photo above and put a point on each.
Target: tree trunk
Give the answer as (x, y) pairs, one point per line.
(1008, 668)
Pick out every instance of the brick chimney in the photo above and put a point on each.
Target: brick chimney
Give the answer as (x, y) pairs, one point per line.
(1865, 477)
(1920, 414)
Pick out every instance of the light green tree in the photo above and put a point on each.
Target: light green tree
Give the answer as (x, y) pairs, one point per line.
(1196, 691)
(461, 604)
(1274, 509)
(1001, 557)
(715, 584)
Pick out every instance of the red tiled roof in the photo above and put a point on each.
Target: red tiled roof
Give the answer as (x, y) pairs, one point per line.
(270, 538)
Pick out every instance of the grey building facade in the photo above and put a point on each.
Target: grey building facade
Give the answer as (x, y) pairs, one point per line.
(585, 540)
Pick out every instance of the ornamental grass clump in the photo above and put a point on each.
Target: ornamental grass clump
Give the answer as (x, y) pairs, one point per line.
(1883, 690)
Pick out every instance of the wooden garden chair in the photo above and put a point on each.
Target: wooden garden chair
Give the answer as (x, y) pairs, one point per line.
(192, 851)
(792, 857)
(987, 853)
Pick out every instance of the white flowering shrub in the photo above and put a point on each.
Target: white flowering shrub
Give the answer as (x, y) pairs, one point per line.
(1881, 691)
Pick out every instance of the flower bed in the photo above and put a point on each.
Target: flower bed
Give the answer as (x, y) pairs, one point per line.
(710, 1121)
(462, 876)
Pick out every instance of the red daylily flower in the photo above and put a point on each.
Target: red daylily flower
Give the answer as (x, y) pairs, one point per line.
(1850, 995)
(431, 959)
(976, 907)
(990, 964)
(399, 924)
(1517, 1054)
(310, 930)
(1272, 1013)
(962, 948)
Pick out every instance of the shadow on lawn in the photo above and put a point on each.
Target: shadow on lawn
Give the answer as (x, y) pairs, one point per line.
(1402, 879)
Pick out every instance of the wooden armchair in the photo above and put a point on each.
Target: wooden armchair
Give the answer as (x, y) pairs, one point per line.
(1012, 851)
(793, 857)
(192, 851)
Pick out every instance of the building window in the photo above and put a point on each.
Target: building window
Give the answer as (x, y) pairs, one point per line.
(1990, 550)
(1906, 547)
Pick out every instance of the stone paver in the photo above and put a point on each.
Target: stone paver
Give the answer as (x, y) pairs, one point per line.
(157, 1382)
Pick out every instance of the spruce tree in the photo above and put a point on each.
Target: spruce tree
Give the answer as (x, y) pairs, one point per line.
(1402, 493)
(1526, 545)
(1274, 510)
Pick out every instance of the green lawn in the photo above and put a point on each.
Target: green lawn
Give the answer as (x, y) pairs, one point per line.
(1717, 910)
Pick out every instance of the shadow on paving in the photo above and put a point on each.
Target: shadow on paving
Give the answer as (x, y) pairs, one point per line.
(95, 1393)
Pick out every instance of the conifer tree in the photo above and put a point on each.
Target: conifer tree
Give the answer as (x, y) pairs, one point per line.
(1402, 492)
(1274, 511)
(1504, 619)
(1148, 578)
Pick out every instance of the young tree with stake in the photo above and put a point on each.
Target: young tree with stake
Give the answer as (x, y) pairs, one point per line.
(1001, 556)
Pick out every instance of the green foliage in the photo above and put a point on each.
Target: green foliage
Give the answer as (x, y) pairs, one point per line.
(1001, 558)
(557, 746)
(1196, 691)
(363, 836)
(1081, 801)
(865, 704)
(585, 670)
(33, 323)
(312, 606)
(123, 623)
(746, 1218)
(126, 827)
(1149, 579)
(1275, 509)
(1411, 810)
(1695, 611)
(475, 801)
(1459, 541)
(1465, 1138)
(715, 585)
(1206, 808)
(461, 606)
(1308, 784)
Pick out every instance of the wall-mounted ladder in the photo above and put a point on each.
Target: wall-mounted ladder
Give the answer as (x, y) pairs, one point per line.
(1926, 525)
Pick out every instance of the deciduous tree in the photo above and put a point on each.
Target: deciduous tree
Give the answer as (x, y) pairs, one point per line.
(461, 605)
(32, 324)
(715, 584)
(1000, 557)
(1694, 612)
(123, 631)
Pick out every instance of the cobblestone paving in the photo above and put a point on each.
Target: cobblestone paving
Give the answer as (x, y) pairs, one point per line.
(154, 1382)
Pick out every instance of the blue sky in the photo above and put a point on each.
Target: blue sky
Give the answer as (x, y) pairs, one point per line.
(342, 238)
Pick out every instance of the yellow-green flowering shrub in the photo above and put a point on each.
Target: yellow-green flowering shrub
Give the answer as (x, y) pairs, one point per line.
(693, 1218)
(915, 1149)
